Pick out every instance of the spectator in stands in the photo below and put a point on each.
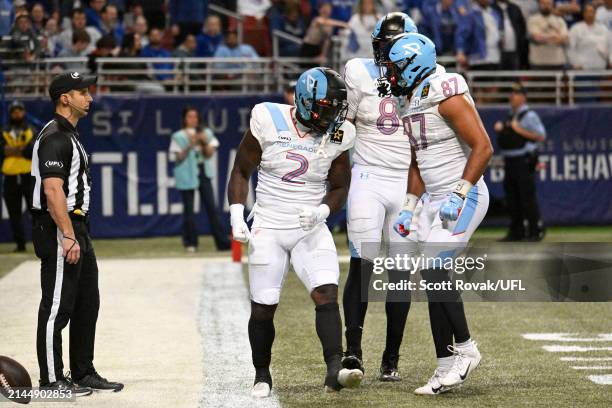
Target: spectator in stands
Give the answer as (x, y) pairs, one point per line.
(94, 13)
(412, 8)
(548, 36)
(210, 39)
(440, 21)
(20, 6)
(50, 42)
(134, 11)
(233, 49)
(317, 40)
(155, 50)
(38, 18)
(184, 150)
(287, 19)
(528, 7)
(187, 48)
(105, 47)
(16, 150)
(358, 36)
(478, 37)
(514, 44)
(24, 38)
(253, 8)
(342, 10)
(80, 44)
(154, 11)
(78, 22)
(186, 17)
(7, 17)
(589, 42)
(110, 23)
(142, 27)
(569, 10)
(131, 46)
(604, 14)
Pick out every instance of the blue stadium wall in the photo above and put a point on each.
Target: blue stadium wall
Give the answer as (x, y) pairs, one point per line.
(133, 196)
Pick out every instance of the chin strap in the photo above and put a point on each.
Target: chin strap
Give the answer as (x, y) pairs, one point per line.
(321, 149)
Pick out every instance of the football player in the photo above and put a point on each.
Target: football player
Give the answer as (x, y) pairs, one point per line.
(450, 152)
(303, 175)
(381, 160)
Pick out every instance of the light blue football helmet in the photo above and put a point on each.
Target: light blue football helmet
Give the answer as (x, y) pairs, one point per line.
(411, 57)
(320, 100)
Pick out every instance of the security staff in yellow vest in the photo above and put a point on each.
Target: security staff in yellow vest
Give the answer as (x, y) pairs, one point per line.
(16, 151)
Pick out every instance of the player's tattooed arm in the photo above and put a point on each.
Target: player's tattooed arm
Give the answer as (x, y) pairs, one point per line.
(416, 185)
(339, 179)
(248, 158)
(464, 119)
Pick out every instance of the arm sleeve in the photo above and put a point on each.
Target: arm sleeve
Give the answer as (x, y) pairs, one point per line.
(531, 121)
(54, 157)
(353, 93)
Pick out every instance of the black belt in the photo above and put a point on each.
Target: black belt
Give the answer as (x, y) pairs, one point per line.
(75, 215)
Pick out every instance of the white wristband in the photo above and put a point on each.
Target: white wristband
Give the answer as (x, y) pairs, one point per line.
(411, 202)
(463, 188)
(236, 211)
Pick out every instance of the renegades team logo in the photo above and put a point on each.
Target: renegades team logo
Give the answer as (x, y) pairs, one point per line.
(337, 136)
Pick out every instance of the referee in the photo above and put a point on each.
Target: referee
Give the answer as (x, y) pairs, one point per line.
(518, 139)
(61, 185)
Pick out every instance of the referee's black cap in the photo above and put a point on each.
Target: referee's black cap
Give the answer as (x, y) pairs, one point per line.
(69, 81)
(16, 105)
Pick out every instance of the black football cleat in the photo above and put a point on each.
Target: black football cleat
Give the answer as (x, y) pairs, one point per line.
(353, 360)
(66, 385)
(388, 368)
(98, 383)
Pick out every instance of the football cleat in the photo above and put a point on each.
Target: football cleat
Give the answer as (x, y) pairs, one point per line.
(433, 386)
(353, 360)
(261, 390)
(388, 369)
(466, 361)
(350, 378)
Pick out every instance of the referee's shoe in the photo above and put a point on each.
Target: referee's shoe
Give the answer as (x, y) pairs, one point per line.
(97, 383)
(66, 384)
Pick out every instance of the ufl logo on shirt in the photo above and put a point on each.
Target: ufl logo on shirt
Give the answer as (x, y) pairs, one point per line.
(337, 136)
(284, 136)
(53, 163)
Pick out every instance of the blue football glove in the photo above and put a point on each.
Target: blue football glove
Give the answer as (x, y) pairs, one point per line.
(451, 208)
(402, 223)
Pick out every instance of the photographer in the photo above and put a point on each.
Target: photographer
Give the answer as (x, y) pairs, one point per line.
(518, 138)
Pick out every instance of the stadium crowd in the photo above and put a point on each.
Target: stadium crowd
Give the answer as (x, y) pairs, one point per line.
(481, 34)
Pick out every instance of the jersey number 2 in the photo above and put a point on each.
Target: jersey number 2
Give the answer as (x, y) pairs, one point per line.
(297, 172)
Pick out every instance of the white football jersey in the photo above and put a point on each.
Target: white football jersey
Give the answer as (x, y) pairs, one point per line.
(381, 141)
(291, 173)
(441, 155)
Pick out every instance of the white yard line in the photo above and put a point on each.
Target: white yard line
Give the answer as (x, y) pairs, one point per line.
(558, 348)
(224, 316)
(605, 379)
(604, 367)
(567, 337)
(585, 358)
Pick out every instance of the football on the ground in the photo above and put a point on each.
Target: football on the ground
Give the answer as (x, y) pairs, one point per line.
(13, 375)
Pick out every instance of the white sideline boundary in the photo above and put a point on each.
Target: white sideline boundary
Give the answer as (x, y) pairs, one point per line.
(224, 316)
(605, 379)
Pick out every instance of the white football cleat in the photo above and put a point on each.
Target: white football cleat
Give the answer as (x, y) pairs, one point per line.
(261, 390)
(466, 361)
(350, 378)
(433, 386)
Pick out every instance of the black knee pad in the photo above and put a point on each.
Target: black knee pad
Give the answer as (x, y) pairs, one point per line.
(262, 312)
(325, 294)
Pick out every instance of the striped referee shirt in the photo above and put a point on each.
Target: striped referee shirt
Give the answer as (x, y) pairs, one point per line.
(58, 152)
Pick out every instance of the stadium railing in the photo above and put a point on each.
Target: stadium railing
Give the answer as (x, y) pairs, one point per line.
(270, 75)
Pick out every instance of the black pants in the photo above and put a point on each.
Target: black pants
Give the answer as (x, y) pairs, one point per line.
(520, 189)
(15, 189)
(190, 230)
(69, 293)
(207, 197)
